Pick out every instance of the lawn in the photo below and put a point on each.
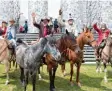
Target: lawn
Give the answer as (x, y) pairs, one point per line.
(90, 80)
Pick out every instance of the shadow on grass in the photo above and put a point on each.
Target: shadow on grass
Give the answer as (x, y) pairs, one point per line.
(61, 83)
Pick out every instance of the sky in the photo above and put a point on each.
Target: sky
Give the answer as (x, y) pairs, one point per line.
(53, 8)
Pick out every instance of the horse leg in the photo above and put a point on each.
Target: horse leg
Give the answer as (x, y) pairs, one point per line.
(63, 69)
(7, 68)
(77, 76)
(22, 76)
(26, 79)
(34, 81)
(51, 77)
(71, 74)
(54, 73)
(98, 66)
(40, 77)
(105, 70)
(16, 66)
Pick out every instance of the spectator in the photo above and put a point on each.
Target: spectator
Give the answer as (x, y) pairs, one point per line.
(56, 26)
(50, 23)
(3, 28)
(26, 27)
(11, 35)
(43, 26)
(21, 29)
(69, 25)
(63, 28)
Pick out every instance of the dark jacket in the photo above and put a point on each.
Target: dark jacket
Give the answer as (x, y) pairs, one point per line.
(41, 29)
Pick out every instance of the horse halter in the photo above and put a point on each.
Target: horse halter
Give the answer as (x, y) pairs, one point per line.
(91, 42)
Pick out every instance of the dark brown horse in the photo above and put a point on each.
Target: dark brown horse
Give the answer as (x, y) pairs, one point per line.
(51, 59)
(76, 57)
(69, 51)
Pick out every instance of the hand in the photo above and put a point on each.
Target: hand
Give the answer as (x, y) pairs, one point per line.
(20, 13)
(60, 12)
(33, 15)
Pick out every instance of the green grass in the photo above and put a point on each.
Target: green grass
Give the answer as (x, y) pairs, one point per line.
(90, 80)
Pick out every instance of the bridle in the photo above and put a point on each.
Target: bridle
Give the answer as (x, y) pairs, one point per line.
(65, 50)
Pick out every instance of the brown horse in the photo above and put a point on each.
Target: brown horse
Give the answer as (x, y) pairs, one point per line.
(69, 51)
(5, 56)
(86, 37)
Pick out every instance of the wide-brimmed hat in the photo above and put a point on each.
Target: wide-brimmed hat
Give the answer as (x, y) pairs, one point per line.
(46, 18)
(4, 22)
(12, 20)
(70, 17)
(103, 26)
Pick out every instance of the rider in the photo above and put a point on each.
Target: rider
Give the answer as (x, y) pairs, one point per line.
(44, 28)
(103, 33)
(11, 35)
(3, 28)
(69, 25)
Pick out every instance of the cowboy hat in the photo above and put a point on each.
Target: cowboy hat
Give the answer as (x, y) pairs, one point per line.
(103, 26)
(4, 22)
(46, 18)
(12, 20)
(70, 17)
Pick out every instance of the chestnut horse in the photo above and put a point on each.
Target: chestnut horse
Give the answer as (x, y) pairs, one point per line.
(85, 38)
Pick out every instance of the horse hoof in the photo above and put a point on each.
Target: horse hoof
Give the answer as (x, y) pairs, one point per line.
(97, 70)
(105, 79)
(40, 79)
(53, 89)
(7, 82)
(23, 84)
(72, 83)
(79, 84)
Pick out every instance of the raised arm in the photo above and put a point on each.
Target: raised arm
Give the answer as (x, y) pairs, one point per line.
(34, 22)
(60, 21)
(96, 28)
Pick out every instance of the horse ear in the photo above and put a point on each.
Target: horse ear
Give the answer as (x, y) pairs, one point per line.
(85, 29)
(67, 32)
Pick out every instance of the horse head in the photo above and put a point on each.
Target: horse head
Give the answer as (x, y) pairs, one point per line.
(87, 37)
(52, 53)
(68, 41)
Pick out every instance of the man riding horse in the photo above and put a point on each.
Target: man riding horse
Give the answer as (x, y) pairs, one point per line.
(103, 34)
(44, 28)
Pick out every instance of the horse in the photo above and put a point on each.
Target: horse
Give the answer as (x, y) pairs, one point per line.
(106, 56)
(5, 57)
(85, 38)
(29, 59)
(69, 51)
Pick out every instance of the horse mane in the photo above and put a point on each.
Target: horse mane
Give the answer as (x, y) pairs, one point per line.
(64, 43)
(19, 42)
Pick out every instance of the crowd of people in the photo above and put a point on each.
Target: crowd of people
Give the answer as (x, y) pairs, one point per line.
(48, 26)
